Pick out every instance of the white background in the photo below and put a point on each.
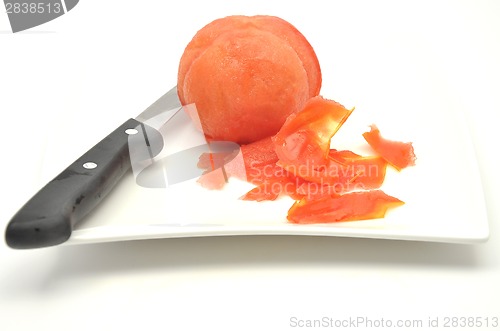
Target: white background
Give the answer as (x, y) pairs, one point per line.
(104, 61)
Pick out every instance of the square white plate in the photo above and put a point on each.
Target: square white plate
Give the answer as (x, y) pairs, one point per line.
(443, 194)
(395, 78)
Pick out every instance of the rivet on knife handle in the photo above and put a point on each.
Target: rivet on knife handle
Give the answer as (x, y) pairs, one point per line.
(48, 218)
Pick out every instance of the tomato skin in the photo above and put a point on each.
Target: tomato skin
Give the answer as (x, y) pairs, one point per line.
(341, 208)
(274, 187)
(255, 163)
(303, 148)
(303, 142)
(346, 171)
(328, 185)
(361, 172)
(303, 164)
(399, 154)
(260, 161)
(213, 180)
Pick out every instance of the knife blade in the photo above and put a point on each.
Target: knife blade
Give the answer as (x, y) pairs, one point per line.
(49, 217)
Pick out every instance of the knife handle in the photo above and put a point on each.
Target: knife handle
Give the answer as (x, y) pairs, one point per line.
(48, 218)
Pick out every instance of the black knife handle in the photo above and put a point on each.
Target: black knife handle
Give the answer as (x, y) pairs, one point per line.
(48, 218)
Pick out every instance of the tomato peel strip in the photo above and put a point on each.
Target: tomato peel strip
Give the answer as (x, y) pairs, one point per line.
(352, 206)
(303, 142)
(399, 154)
(298, 162)
(254, 164)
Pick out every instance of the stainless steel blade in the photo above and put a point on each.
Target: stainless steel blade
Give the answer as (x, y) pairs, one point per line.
(162, 109)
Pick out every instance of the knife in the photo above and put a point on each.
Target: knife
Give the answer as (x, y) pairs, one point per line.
(49, 217)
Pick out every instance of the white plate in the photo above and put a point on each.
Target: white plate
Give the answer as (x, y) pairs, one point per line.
(443, 194)
(397, 82)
